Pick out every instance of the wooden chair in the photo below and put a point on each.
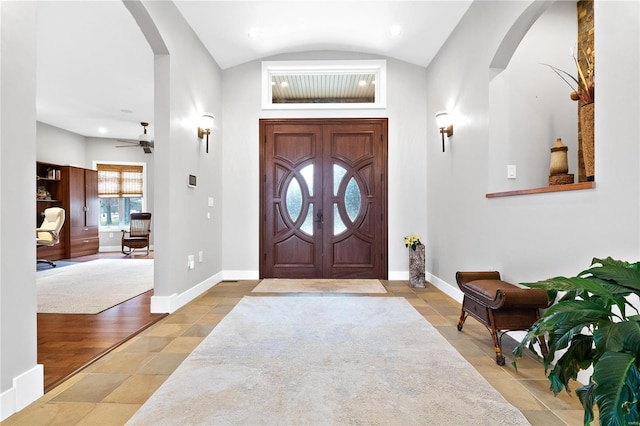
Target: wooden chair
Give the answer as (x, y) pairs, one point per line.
(137, 237)
(48, 234)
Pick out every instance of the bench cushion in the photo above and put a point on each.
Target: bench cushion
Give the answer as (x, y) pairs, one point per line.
(497, 293)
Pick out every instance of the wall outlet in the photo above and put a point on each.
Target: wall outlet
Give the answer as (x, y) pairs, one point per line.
(200, 256)
(511, 171)
(210, 202)
(191, 262)
(110, 234)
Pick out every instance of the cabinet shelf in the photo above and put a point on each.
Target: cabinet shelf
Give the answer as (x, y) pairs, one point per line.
(47, 201)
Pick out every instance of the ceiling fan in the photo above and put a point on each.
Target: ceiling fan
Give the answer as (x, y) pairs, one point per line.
(143, 141)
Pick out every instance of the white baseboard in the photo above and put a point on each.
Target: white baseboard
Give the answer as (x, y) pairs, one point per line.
(26, 388)
(240, 275)
(448, 289)
(171, 303)
(398, 276)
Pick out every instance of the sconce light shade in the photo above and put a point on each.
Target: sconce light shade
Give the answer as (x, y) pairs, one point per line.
(204, 127)
(442, 119)
(444, 124)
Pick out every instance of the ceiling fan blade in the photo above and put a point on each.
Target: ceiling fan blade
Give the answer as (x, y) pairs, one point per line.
(144, 141)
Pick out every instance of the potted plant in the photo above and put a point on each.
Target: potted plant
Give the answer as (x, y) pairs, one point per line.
(596, 326)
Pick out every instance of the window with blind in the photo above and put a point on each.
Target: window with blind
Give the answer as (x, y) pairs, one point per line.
(121, 192)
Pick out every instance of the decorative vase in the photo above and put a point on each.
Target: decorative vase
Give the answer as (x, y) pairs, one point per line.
(416, 266)
(559, 167)
(587, 138)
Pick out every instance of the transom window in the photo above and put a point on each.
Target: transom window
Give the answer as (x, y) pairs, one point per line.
(324, 84)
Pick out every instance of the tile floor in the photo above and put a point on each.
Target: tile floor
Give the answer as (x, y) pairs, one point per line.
(109, 391)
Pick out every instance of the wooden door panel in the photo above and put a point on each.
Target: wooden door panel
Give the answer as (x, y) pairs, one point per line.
(291, 246)
(352, 252)
(356, 163)
(92, 202)
(76, 212)
(323, 198)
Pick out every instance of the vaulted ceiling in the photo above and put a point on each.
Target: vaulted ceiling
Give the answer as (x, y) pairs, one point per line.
(95, 68)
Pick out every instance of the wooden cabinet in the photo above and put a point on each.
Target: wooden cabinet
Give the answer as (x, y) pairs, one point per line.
(76, 190)
(51, 181)
(83, 212)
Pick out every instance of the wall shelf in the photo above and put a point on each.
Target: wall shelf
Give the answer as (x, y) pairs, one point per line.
(554, 188)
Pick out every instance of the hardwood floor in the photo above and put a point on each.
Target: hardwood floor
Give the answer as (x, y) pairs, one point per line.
(68, 342)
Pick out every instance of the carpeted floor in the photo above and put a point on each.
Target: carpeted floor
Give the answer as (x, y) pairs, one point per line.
(318, 285)
(326, 361)
(92, 287)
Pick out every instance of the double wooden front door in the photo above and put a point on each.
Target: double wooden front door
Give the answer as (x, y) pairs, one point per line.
(323, 198)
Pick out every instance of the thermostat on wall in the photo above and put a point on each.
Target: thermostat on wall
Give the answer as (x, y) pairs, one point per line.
(192, 181)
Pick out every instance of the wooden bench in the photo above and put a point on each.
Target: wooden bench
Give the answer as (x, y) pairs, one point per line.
(500, 306)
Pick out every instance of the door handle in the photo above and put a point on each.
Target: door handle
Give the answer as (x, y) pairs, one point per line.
(319, 219)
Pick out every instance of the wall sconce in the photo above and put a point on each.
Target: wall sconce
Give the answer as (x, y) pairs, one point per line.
(444, 123)
(204, 127)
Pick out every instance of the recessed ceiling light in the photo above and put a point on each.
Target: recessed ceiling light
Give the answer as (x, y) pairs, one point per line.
(362, 83)
(395, 30)
(253, 33)
(102, 130)
(284, 84)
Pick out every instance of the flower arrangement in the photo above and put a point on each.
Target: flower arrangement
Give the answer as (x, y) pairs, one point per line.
(584, 85)
(412, 241)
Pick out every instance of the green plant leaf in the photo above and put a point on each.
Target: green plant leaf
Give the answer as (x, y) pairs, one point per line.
(610, 376)
(618, 337)
(624, 276)
(587, 399)
(610, 261)
(576, 284)
(578, 357)
(561, 322)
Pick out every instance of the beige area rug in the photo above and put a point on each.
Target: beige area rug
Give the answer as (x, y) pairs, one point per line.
(318, 285)
(91, 287)
(325, 361)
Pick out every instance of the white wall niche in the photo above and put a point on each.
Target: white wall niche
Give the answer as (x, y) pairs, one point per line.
(529, 105)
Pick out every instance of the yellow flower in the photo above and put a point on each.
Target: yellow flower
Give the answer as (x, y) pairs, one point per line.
(412, 241)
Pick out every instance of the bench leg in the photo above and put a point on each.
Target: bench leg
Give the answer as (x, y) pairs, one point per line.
(463, 317)
(497, 344)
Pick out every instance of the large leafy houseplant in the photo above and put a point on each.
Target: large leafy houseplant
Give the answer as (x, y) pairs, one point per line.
(595, 325)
